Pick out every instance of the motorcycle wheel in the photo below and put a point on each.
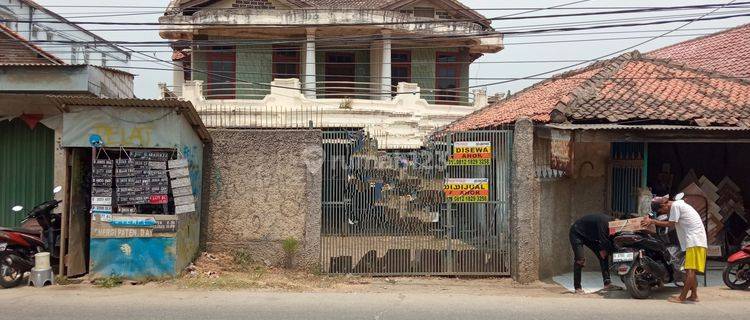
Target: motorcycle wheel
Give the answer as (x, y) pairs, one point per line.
(9, 276)
(737, 275)
(636, 290)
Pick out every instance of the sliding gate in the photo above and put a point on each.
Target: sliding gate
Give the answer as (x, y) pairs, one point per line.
(439, 210)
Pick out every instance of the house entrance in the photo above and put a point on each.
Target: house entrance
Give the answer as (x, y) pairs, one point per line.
(439, 210)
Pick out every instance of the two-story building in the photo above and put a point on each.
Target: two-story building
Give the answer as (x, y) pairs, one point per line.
(58, 36)
(396, 67)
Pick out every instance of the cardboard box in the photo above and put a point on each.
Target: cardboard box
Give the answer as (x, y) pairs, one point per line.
(631, 225)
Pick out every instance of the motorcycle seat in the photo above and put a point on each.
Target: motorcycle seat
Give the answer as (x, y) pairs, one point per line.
(21, 230)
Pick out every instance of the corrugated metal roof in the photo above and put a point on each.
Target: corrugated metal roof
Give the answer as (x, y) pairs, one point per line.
(614, 126)
(186, 108)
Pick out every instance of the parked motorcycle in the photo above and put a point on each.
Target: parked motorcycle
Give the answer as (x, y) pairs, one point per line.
(646, 261)
(737, 272)
(18, 246)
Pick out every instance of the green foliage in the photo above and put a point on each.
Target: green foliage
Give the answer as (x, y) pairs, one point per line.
(290, 246)
(242, 258)
(108, 282)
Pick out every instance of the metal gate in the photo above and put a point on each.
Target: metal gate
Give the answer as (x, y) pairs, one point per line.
(386, 212)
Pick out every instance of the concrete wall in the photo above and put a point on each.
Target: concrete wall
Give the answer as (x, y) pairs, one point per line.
(524, 218)
(265, 186)
(562, 201)
(544, 209)
(554, 219)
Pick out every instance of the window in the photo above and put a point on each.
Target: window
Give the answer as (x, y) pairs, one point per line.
(286, 61)
(400, 67)
(424, 12)
(447, 76)
(222, 63)
(339, 74)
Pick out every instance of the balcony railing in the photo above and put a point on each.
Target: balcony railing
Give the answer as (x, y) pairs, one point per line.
(327, 90)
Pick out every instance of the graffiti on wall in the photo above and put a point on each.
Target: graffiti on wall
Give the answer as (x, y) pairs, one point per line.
(112, 135)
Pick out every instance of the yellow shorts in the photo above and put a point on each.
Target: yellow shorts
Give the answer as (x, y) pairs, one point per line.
(695, 259)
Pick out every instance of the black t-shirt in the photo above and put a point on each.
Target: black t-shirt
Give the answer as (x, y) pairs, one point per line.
(594, 229)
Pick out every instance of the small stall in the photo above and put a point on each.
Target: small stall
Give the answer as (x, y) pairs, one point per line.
(134, 191)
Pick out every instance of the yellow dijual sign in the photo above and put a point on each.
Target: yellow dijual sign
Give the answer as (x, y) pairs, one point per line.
(467, 190)
(471, 153)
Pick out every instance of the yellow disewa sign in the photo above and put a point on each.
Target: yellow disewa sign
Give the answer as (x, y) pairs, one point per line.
(467, 190)
(471, 153)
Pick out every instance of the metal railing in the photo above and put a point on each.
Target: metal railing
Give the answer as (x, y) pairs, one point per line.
(385, 213)
(220, 115)
(332, 90)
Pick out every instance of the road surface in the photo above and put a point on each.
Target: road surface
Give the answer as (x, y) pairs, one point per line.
(167, 303)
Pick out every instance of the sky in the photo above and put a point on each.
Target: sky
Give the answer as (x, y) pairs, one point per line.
(512, 62)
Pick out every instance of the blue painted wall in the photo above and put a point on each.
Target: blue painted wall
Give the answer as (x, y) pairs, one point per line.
(133, 258)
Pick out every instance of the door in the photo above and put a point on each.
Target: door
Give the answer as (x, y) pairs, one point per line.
(340, 74)
(26, 167)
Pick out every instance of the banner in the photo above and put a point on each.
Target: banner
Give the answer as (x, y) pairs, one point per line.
(471, 153)
(467, 190)
(561, 151)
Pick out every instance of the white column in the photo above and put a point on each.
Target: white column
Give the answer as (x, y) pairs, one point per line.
(385, 74)
(310, 64)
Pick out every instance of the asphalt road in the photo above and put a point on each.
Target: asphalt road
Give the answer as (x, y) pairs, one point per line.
(157, 303)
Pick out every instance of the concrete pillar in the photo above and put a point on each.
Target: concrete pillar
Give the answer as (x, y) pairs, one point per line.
(385, 64)
(310, 64)
(524, 219)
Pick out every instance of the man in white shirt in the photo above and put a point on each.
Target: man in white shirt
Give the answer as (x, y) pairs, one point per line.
(692, 235)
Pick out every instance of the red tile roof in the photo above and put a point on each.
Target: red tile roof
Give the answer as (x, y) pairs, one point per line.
(725, 52)
(534, 102)
(627, 89)
(14, 48)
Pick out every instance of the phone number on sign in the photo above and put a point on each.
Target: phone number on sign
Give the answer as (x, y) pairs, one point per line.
(469, 198)
(469, 162)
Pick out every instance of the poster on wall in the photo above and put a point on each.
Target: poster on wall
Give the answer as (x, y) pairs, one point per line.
(467, 189)
(561, 151)
(471, 153)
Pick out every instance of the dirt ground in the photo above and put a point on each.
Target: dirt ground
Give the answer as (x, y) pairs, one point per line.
(232, 272)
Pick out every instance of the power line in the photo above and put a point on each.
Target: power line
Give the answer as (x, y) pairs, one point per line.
(335, 48)
(603, 56)
(716, 76)
(510, 17)
(513, 16)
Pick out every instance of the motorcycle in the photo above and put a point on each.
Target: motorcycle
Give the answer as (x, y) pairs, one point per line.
(18, 246)
(736, 274)
(646, 261)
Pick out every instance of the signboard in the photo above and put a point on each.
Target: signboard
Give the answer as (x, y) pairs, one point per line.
(158, 199)
(165, 226)
(133, 226)
(467, 190)
(561, 151)
(132, 222)
(471, 153)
